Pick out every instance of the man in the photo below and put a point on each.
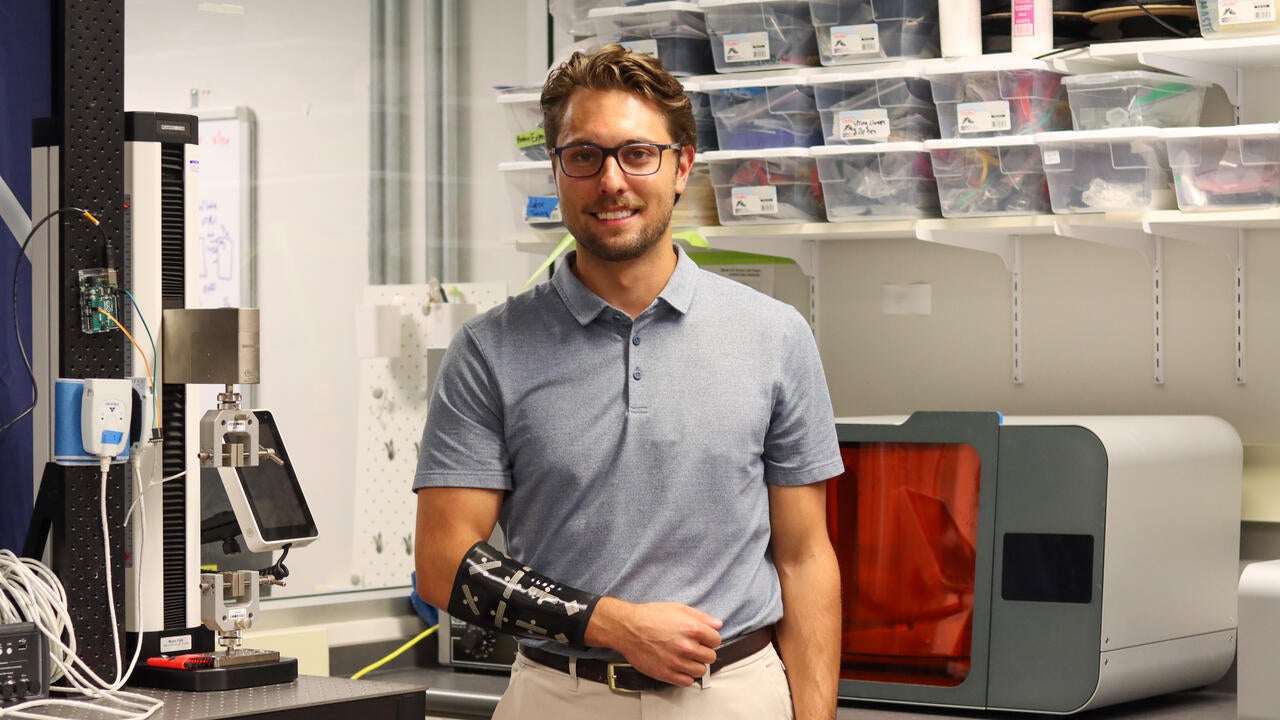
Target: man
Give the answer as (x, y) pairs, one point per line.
(654, 441)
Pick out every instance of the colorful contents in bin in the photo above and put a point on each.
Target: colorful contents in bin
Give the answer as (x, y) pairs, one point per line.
(994, 181)
(541, 210)
(1017, 102)
(761, 184)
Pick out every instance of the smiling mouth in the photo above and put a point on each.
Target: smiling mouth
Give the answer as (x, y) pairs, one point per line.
(620, 214)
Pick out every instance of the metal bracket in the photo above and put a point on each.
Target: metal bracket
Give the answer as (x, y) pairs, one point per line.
(1231, 242)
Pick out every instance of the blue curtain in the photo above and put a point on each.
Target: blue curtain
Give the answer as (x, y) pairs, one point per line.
(26, 67)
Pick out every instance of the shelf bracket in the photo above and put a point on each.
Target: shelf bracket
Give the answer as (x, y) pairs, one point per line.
(1231, 242)
(1002, 246)
(1151, 247)
(1157, 290)
(1138, 240)
(1014, 263)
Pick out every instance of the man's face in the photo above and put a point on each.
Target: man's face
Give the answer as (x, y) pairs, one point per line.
(615, 216)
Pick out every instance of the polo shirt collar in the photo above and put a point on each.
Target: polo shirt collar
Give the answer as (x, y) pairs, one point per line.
(586, 306)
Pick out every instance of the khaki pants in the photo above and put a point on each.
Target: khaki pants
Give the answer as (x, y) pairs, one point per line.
(754, 687)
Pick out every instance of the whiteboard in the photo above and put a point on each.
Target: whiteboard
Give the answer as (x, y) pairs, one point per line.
(227, 208)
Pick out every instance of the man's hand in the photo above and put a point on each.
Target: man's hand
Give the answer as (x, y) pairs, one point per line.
(670, 642)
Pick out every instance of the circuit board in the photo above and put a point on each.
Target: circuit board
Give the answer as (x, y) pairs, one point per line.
(98, 291)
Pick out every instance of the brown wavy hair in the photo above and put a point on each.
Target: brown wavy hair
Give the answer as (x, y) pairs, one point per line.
(614, 67)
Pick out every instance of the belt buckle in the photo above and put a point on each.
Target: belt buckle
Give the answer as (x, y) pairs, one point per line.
(610, 669)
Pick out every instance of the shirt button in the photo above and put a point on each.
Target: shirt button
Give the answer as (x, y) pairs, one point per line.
(635, 340)
(636, 375)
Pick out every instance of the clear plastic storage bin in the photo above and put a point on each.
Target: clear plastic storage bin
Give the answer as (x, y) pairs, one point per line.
(879, 106)
(852, 31)
(778, 185)
(1225, 168)
(1233, 18)
(702, 116)
(889, 181)
(524, 120)
(1135, 98)
(571, 16)
(759, 34)
(989, 176)
(673, 32)
(771, 112)
(531, 189)
(998, 95)
(1106, 170)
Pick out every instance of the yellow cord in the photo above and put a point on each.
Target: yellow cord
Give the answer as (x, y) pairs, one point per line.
(395, 654)
(150, 378)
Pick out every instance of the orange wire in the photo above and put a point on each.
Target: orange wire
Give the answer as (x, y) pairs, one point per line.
(151, 378)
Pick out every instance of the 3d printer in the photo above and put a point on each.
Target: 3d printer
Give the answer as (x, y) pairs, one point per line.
(1038, 564)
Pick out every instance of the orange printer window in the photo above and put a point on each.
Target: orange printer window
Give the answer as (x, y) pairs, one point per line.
(903, 518)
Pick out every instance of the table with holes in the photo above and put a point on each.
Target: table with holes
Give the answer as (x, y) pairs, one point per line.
(307, 698)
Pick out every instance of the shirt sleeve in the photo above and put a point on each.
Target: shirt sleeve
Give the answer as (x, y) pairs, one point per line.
(463, 443)
(800, 446)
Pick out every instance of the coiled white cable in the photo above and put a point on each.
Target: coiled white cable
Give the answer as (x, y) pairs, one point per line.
(31, 592)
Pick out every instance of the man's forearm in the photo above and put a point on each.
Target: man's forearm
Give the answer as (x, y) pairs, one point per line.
(809, 633)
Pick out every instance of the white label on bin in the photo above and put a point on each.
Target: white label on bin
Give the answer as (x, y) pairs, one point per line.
(863, 124)
(642, 47)
(755, 200)
(746, 47)
(855, 39)
(978, 117)
(1240, 12)
(1052, 157)
(542, 209)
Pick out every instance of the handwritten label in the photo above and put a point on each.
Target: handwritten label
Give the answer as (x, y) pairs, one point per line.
(979, 117)
(852, 125)
(855, 40)
(757, 200)
(530, 138)
(746, 47)
(542, 209)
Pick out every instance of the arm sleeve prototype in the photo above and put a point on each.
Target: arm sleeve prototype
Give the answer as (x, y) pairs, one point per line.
(492, 590)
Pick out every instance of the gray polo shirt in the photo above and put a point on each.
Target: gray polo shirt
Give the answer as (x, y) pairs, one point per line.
(635, 454)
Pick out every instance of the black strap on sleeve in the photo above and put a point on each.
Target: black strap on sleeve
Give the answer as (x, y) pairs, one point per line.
(492, 590)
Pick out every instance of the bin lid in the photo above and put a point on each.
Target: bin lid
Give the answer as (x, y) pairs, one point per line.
(984, 63)
(653, 7)
(791, 152)
(997, 141)
(1256, 129)
(1067, 137)
(721, 3)
(772, 80)
(889, 147)
(1131, 77)
(897, 70)
(523, 165)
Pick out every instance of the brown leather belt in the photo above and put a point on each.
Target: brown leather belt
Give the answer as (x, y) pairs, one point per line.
(623, 677)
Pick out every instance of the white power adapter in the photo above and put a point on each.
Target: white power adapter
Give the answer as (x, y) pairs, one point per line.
(105, 412)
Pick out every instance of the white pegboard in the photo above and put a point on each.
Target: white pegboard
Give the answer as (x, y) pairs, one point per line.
(392, 408)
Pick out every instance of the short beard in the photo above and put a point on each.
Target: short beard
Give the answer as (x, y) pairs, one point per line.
(626, 248)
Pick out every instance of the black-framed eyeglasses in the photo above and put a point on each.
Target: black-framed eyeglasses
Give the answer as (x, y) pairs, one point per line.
(585, 160)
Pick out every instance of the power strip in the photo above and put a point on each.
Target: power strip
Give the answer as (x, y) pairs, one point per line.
(24, 663)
